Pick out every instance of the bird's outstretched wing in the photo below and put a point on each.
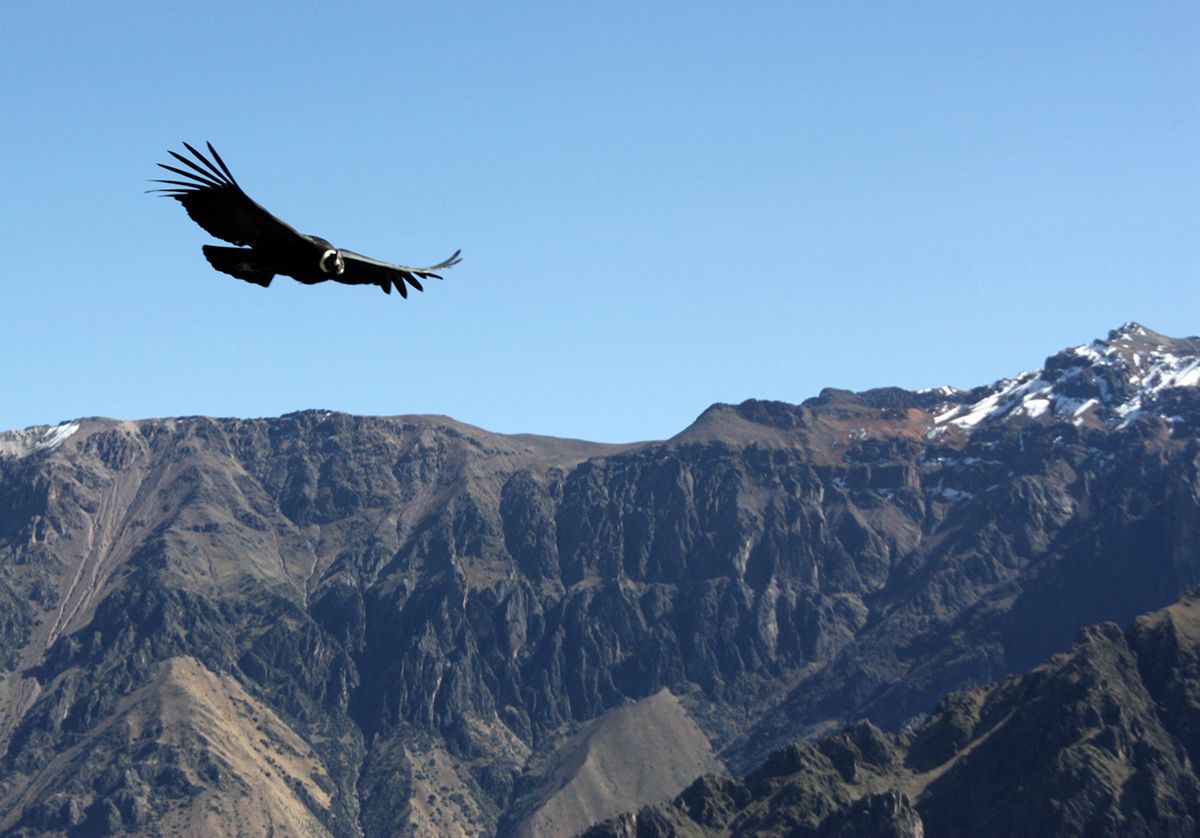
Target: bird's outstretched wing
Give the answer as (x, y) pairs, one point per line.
(215, 201)
(363, 270)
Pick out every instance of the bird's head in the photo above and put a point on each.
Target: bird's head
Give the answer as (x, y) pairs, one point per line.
(332, 263)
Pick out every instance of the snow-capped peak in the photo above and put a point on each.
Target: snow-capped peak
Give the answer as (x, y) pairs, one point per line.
(1109, 381)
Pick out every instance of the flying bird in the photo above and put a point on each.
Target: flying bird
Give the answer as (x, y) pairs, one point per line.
(267, 246)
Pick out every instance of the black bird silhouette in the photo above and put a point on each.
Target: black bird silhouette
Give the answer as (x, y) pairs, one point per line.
(268, 246)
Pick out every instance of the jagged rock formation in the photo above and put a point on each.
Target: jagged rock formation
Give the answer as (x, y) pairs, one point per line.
(1100, 740)
(414, 614)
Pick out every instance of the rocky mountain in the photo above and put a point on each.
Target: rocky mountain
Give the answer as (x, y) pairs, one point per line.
(332, 624)
(1101, 740)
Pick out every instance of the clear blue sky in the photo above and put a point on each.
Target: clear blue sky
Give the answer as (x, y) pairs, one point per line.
(660, 205)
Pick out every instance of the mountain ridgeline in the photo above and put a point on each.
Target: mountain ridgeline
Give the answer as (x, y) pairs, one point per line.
(332, 624)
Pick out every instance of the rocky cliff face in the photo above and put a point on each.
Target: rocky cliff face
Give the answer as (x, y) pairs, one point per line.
(387, 625)
(1100, 740)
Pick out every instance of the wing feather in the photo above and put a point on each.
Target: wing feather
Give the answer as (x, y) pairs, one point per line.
(208, 164)
(363, 270)
(196, 181)
(197, 172)
(214, 200)
(220, 162)
(175, 182)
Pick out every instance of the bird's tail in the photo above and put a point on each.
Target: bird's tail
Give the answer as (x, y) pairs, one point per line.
(238, 261)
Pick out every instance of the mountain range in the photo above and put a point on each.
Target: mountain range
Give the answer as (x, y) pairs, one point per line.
(333, 624)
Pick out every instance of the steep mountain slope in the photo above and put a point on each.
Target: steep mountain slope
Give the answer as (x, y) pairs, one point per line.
(1100, 740)
(587, 778)
(415, 614)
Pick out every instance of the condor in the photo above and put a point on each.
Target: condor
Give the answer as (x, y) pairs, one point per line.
(267, 246)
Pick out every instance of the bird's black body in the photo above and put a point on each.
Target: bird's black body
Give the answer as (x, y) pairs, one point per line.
(267, 246)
